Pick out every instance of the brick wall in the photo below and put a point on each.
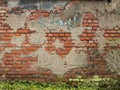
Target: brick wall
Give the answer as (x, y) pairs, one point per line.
(34, 52)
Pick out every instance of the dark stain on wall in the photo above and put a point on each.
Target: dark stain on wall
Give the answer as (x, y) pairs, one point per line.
(35, 4)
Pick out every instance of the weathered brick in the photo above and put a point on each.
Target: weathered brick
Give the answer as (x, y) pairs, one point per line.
(85, 38)
(86, 25)
(31, 48)
(106, 35)
(23, 31)
(91, 45)
(2, 48)
(111, 31)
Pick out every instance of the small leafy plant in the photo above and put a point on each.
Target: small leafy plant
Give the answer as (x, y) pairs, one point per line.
(87, 84)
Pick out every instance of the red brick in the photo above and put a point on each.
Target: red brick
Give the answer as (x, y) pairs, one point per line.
(7, 58)
(1, 14)
(62, 34)
(26, 45)
(46, 14)
(86, 25)
(89, 21)
(47, 48)
(6, 39)
(10, 45)
(52, 48)
(95, 21)
(9, 35)
(50, 34)
(61, 52)
(8, 55)
(2, 48)
(33, 17)
(68, 44)
(31, 48)
(51, 42)
(20, 66)
(111, 31)
(83, 34)
(85, 38)
(91, 45)
(91, 35)
(68, 49)
(8, 62)
(2, 31)
(68, 34)
(69, 39)
(89, 17)
(36, 45)
(79, 45)
(117, 34)
(23, 31)
(6, 14)
(113, 35)
(17, 34)
(64, 38)
(118, 45)
(9, 30)
(33, 59)
(110, 38)
(49, 38)
(95, 28)
(36, 14)
(106, 35)
(17, 52)
(94, 24)
(56, 34)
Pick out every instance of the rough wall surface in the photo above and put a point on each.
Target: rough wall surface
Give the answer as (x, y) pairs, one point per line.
(74, 38)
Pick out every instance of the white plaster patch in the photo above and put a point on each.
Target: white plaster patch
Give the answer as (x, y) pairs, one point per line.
(56, 64)
(13, 3)
(75, 32)
(58, 44)
(101, 40)
(113, 61)
(18, 40)
(16, 21)
(39, 36)
(53, 61)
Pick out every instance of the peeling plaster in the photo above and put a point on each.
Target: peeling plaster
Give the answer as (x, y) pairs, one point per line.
(56, 64)
(58, 44)
(113, 60)
(72, 60)
(18, 40)
(39, 36)
(101, 40)
(16, 21)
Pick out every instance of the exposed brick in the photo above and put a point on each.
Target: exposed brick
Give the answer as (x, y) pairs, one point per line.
(2, 48)
(17, 63)
(22, 31)
(111, 31)
(86, 25)
(31, 48)
(64, 37)
(36, 14)
(91, 45)
(117, 34)
(106, 35)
